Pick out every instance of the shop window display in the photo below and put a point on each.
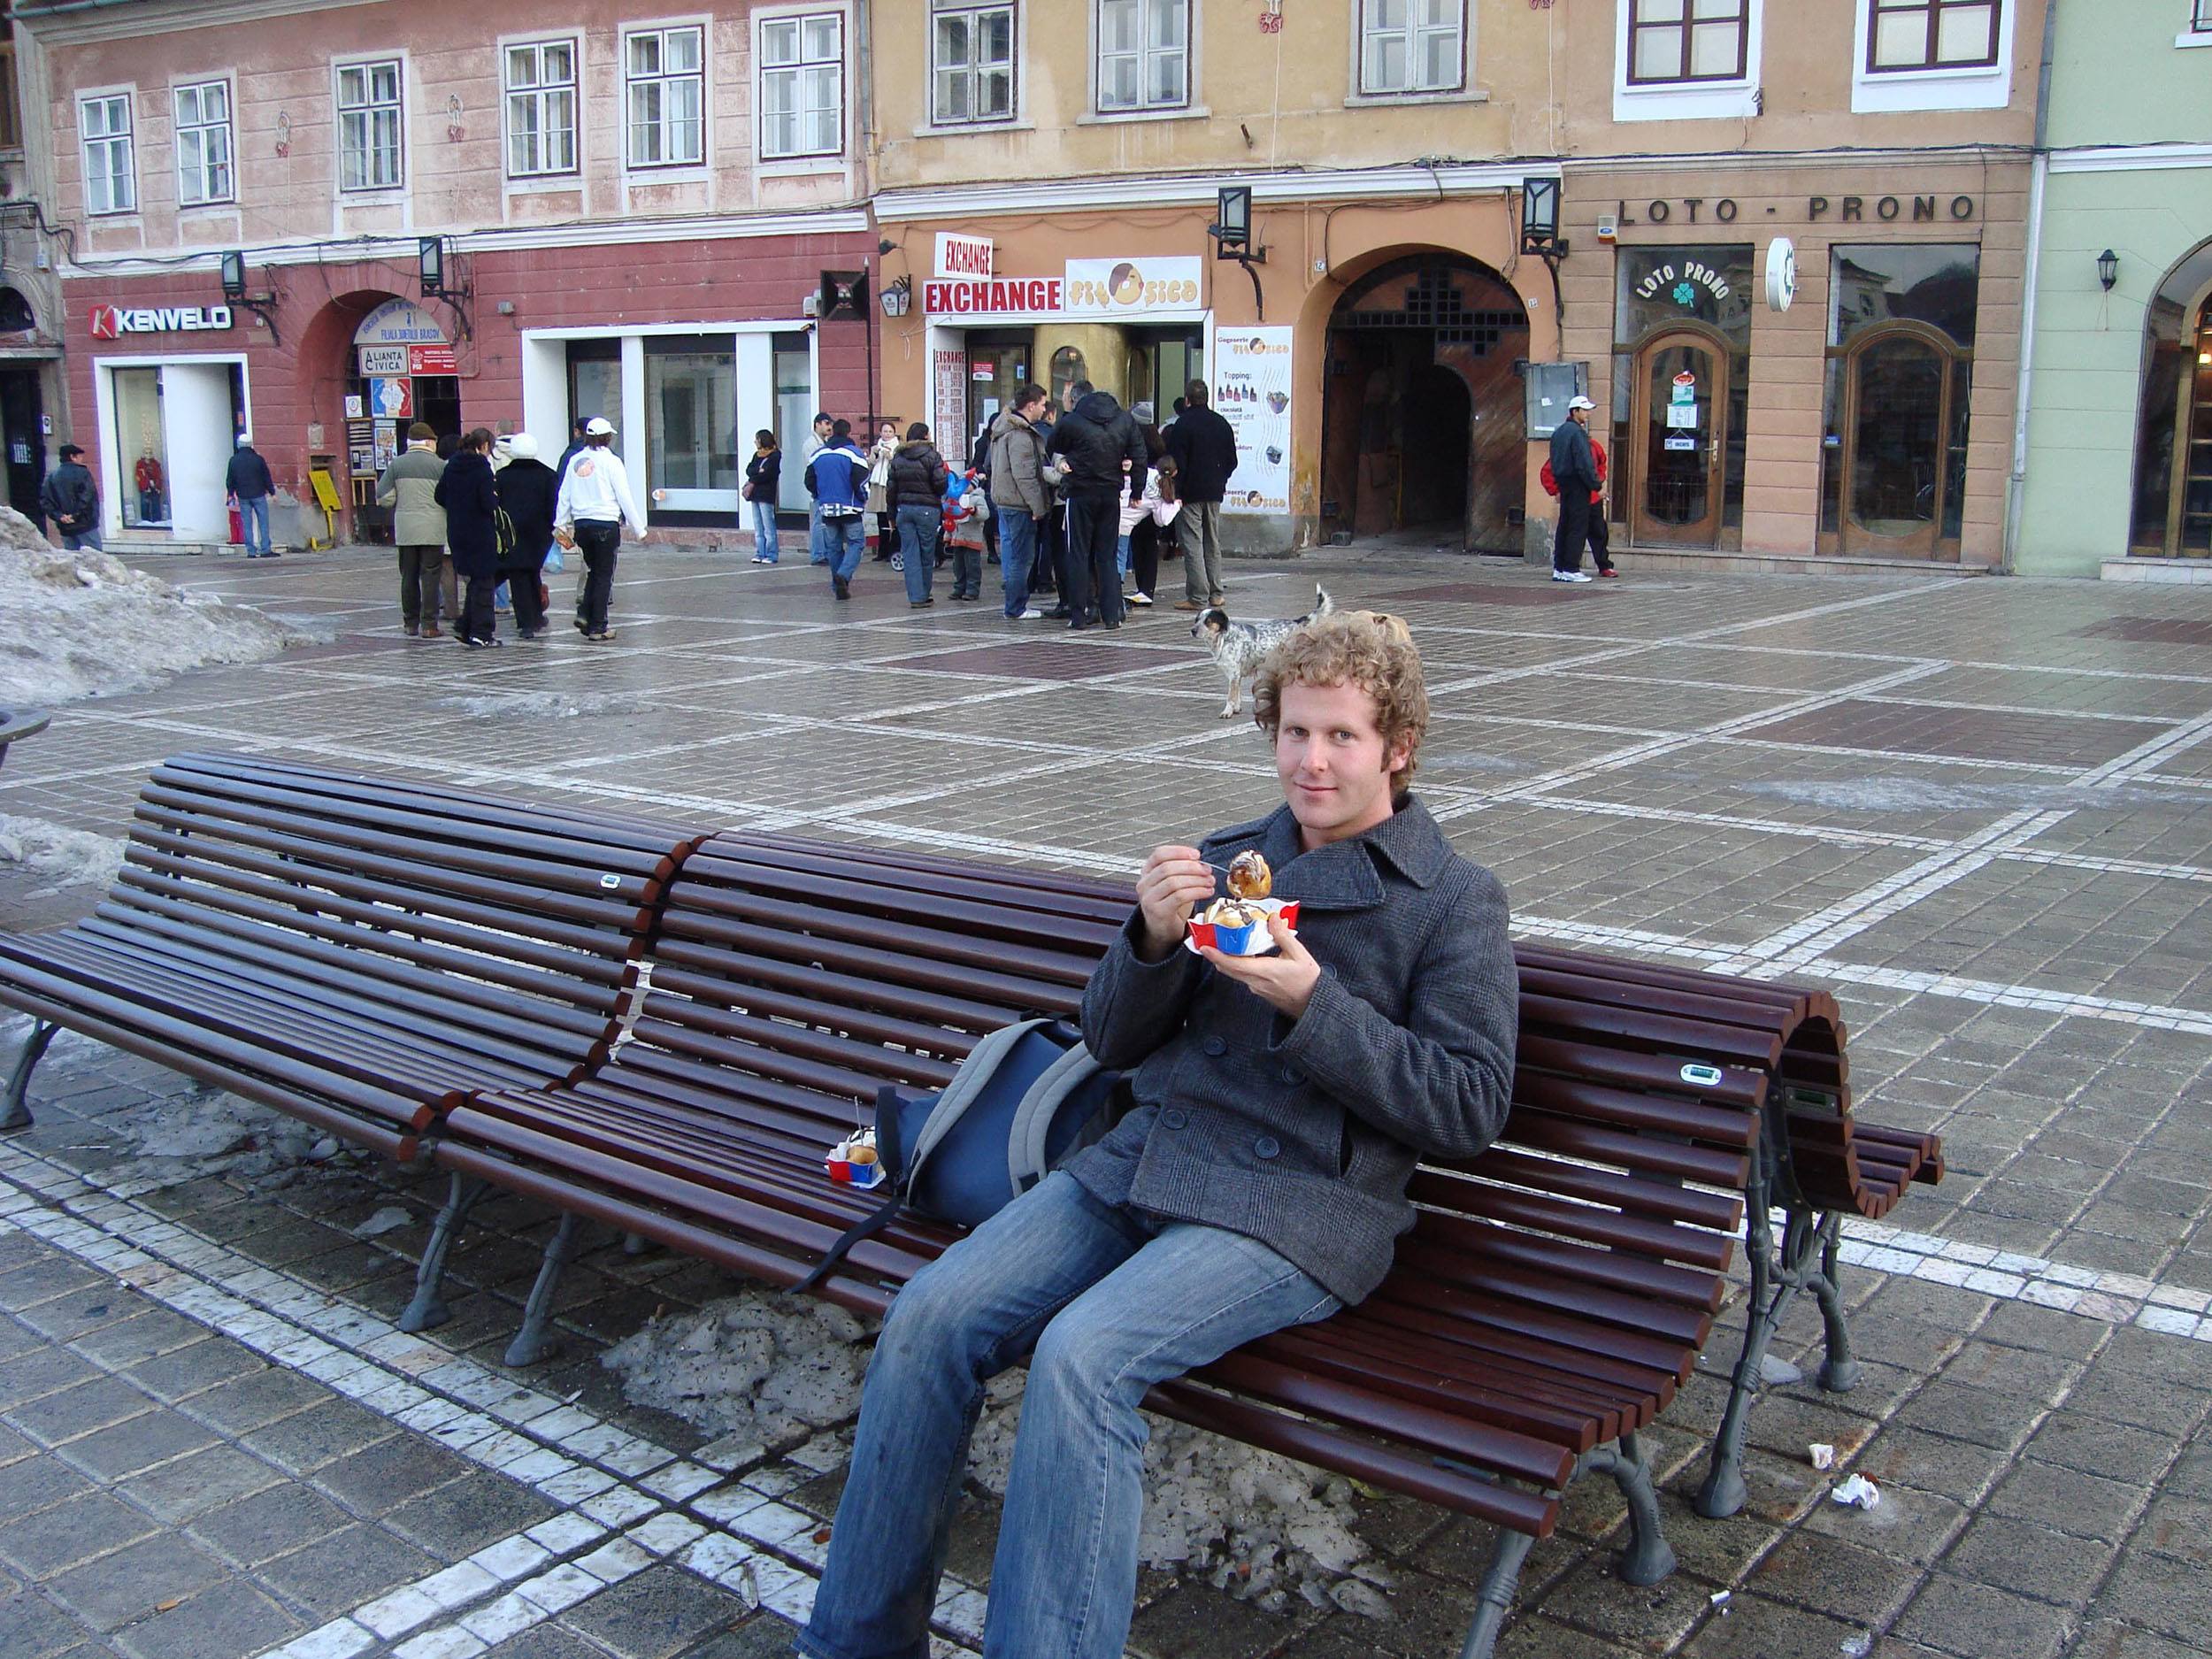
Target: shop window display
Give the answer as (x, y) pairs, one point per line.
(690, 411)
(139, 436)
(1682, 376)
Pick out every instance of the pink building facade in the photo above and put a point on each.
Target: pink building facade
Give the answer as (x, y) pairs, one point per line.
(431, 215)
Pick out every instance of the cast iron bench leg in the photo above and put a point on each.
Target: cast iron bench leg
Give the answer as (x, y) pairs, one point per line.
(1839, 1373)
(1648, 1557)
(1494, 1600)
(1809, 1241)
(428, 1308)
(533, 1342)
(15, 1112)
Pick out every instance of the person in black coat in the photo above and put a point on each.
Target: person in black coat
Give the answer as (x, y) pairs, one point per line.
(471, 500)
(528, 491)
(764, 482)
(1093, 440)
(916, 498)
(1204, 446)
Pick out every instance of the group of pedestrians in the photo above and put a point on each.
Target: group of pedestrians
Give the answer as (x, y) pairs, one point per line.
(69, 496)
(474, 513)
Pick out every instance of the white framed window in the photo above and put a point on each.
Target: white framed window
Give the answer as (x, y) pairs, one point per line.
(1932, 55)
(541, 78)
(1906, 35)
(203, 142)
(800, 62)
(971, 63)
(1674, 41)
(1143, 54)
(111, 180)
(371, 151)
(1412, 46)
(2201, 17)
(664, 78)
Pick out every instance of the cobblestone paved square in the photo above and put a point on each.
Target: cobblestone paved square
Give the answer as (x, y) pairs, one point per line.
(1978, 810)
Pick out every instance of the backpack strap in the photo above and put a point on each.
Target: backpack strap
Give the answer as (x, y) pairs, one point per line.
(967, 1083)
(1026, 1147)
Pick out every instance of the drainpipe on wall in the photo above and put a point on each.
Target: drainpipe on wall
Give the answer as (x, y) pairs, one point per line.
(2040, 171)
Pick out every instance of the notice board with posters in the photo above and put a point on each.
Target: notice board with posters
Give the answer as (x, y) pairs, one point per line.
(1251, 391)
(950, 402)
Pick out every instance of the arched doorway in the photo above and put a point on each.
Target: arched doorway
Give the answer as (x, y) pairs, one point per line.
(1679, 437)
(1422, 421)
(2172, 517)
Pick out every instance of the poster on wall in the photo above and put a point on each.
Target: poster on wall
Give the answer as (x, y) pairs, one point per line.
(392, 400)
(386, 443)
(949, 400)
(1251, 379)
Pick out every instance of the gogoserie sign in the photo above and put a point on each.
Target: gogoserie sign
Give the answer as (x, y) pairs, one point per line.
(112, 322)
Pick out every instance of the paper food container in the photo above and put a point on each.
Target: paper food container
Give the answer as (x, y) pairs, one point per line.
(1254, 940)
(862, 1171)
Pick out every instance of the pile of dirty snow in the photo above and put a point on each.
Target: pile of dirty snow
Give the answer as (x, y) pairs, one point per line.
(182, 1138)
(772, 1369)
(85, 625)
(70, 857)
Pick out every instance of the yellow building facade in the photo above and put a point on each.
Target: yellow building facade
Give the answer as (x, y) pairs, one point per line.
(1046, 172)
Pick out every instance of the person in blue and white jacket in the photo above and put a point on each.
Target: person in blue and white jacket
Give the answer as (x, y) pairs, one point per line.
(837, 477)
(595, 504)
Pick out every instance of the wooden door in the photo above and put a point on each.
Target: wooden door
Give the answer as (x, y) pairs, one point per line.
(1680, 449)
(1898, 417)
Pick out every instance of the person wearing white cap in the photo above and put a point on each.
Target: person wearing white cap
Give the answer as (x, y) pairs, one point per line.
(1574, 467)
(595, 504)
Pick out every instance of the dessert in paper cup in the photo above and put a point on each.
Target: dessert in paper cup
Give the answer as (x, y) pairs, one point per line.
(1238, 928)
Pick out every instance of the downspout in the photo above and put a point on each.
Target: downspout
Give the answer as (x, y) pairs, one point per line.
(864, 50)
(2040, 171)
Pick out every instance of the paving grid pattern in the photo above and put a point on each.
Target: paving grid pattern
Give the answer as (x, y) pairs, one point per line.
(1978, 809)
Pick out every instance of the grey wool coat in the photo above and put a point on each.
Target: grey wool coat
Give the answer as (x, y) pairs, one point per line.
(1303, 1134)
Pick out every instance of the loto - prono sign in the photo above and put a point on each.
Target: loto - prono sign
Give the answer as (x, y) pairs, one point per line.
(112, 322)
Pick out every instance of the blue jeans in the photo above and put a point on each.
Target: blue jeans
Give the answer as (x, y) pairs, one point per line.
(253, 519)
(918, 537)
(816, 548)
(1016, 552)
(843, 545)
(764, 545)
(1112, 1302)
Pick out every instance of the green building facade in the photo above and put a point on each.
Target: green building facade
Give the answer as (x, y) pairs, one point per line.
(2118, 459)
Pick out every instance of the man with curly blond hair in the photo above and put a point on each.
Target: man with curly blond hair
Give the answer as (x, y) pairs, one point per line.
(1281, 1104)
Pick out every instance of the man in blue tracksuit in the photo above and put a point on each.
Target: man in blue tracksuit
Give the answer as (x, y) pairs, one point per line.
(837, 478)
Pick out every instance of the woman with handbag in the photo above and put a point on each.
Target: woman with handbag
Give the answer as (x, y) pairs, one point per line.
(879, 492)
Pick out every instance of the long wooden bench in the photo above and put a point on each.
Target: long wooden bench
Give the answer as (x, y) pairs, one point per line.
(1553, 1296)
(359, 953)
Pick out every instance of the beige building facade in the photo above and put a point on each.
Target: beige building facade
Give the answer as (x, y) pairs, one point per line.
(1796, 259)
(1072, 157)
(1045, 179)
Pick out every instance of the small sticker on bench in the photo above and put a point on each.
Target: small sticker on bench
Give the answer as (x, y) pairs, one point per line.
(1703, 1076)
(615, 881)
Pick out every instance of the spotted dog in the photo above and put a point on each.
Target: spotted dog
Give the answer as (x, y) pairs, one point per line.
(1238, 647)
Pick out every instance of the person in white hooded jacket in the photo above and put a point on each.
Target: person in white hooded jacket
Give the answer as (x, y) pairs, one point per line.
(596, 502)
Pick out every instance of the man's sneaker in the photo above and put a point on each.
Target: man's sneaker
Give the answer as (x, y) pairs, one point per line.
(414, 630)
(1140, 599)
(605, 636)
(762, 558)
(1031, 615)
(1570, 576)
(1610, 574)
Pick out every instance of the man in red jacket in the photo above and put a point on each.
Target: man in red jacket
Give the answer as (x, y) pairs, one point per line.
(1601, 535)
